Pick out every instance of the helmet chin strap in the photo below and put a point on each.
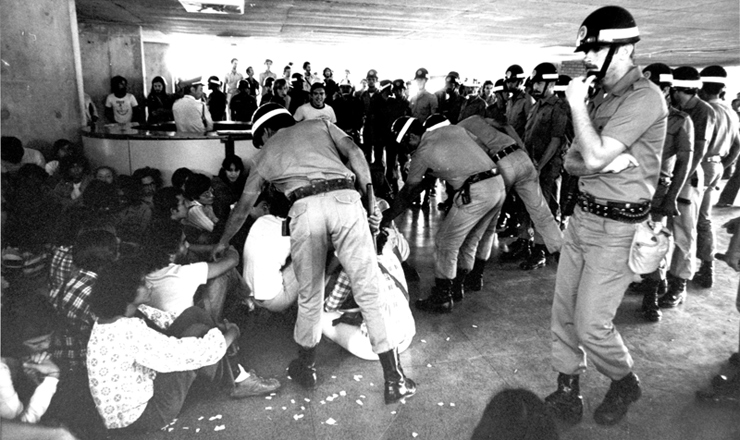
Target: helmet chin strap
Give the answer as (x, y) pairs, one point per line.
(600, 74)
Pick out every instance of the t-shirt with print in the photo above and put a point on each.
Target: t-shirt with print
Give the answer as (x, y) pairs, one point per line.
(123, 108)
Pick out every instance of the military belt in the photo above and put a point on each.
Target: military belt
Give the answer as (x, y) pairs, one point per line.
(619, 211)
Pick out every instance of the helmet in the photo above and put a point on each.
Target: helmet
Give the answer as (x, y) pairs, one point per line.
(263, 114)
(514, 72)
(686, 77)
(498, 86)
(714, 74)
(402, 125)
(659, 73)
(435, 121)
(544, 72)
(562, 83)
(606, 26)
(421, 73)
(372, 73)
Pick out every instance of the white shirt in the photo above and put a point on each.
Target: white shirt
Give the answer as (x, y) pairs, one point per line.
(307, 112)
(174, 286)
(11, 406)
(265, 254)
(191, 116)
(123, 108)
(124, 357)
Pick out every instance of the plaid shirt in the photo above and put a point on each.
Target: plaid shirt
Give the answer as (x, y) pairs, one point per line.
(61, 267)
(343, 287)
(70, 300)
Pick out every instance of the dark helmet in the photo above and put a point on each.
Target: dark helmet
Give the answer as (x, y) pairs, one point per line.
(659, 73)
(499, 86)
(714, 74)
(514, 72)
(264, 114)
(606, 26)
(686, 77)
(562, 83)
(435, 121)
(544, 72)
(403, 125)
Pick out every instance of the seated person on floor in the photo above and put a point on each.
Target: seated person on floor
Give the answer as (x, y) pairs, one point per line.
(28, 375)
(138, 376)
(134, 215)
(14, 155)
(269, 274)
(75, 176)
(201, 217)
(106, 174)
(175, 286)
(62, 148)
(180, 176)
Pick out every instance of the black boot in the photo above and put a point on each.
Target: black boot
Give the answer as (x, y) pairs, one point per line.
(650, 308)
(705, 276)
(440, 300)
(303, 369)
(458, 285)
(537, 259)
(397, 385)
(474, 279)
(676, 293)
(566, 402)
(621, 394)
(521, 249)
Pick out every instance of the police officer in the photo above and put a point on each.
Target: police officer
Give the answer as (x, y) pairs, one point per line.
(423, 104)
(686, 85)
(370, 139)
(305, 161)
(547, 137)
(519, 104)
(675, 166)
(479, 193)
(518, 172)
(619, 134)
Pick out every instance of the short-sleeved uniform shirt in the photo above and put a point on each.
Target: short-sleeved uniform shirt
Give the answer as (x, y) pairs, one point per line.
(123, 108)
(450, 153)
(289, 168)
(308, 111)
(679, 138)
(174, 286)
(725, 128)
(548, 120)
(517, 111)
(703, 117)
(635, 114)
(423, 105)
(493, 139)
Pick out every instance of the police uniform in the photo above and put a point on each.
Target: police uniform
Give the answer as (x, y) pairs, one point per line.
(423, 104)
(451, 154)
(517, 170)
(517, 110)
(191, 115)
(593, 270)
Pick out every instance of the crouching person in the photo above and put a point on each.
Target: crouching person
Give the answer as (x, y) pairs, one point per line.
(139, 377)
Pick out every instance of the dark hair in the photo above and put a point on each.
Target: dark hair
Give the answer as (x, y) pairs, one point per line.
(515, 414)
(154, 173)
(269, 81)
(94, 250)
(279, 83)
(164, 240)
(100, 196)
(712, 88)
(307, 63)
(106, 167)
(196, 185)
(278, 202)
(24, 319)
(32, 174)
(68, 162)
(74, 149)
(180, 176)
(11, 149)
(130, 189)
(228, 161)
(158, 79)
(165, 200)
(117, 80)
(488, 82)
(116, 287)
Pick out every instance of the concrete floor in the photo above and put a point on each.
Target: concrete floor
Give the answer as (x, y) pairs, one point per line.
(496, 338)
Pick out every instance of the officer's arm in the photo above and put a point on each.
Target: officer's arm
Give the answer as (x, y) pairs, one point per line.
(574, 164)
(356, 162)
(596, 151)
(507, 129)
(680, 174)
(240, 212)
(408, 193)
(734, 150)
(552, 148)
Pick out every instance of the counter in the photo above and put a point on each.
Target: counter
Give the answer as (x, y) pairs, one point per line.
(126, 148)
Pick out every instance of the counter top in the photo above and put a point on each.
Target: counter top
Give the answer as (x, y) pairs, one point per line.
(223, 130)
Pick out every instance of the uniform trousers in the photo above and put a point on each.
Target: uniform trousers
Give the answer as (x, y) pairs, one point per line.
(683, 262)
(335, 220)
(461, 231)
(706, 239)
(593, 274)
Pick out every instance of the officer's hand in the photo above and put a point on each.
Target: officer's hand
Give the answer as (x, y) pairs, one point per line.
(670, 208)
(218, 249)
(620, 163)
(577, 91)
(732, 259)
(731, 226)
(374, 219)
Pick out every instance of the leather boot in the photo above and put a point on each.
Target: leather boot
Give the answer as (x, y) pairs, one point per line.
(676, 293)
(303, 369)
(621, 394)
(537, 259)
(650, 308)
(440, 300)
(397, 385)
(705, 276)
(521, 249)
(474, 279)
(458, 285)
(567, 403)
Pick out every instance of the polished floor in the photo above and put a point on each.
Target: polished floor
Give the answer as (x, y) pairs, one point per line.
(496, 338)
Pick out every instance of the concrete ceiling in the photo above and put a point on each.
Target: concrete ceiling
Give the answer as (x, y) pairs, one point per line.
(674, 31)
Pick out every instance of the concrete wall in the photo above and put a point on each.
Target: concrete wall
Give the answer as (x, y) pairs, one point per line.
(109, 50)
(155, 64)
(40, 102)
